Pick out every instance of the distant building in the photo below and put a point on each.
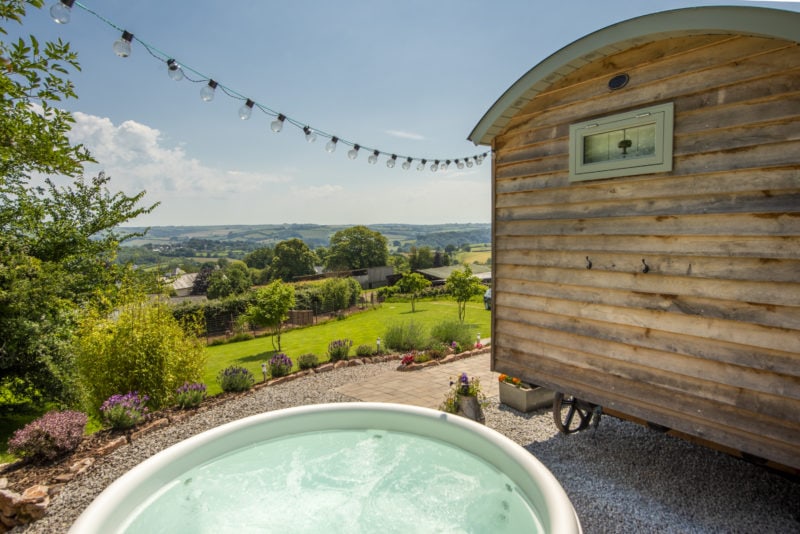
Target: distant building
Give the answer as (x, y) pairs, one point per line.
(438, 275)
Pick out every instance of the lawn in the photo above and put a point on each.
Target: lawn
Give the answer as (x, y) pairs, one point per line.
(363, 328)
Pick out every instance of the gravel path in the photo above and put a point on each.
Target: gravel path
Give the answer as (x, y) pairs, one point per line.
(621, 478)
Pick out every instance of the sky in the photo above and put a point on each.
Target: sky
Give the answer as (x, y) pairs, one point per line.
(410, 78)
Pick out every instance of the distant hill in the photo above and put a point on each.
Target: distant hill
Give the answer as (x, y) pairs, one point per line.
(314, 235)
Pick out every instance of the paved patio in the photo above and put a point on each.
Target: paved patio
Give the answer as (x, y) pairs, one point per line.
(427, 387)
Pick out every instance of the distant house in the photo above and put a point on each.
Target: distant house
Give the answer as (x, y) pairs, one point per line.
(181, 282)
(438, 275)
(369, 278)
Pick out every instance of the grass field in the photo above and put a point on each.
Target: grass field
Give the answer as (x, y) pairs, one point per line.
(363, 328)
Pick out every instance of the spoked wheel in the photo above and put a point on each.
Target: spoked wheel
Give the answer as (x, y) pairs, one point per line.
(570, 414)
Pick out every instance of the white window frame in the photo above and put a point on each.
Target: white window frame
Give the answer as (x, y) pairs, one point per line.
(660, 116)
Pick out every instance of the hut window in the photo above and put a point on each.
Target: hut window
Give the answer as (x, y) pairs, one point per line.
(625, 144)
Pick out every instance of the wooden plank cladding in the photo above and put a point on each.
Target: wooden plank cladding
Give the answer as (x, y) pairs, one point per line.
(672, 297)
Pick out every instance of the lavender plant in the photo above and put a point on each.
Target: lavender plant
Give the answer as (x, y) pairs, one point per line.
(125, 411)
(190, 395)
(339, 349)
(280, 365)
(50, 436)
(235, 379)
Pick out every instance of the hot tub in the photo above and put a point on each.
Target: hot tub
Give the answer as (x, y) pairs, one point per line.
(342, 467)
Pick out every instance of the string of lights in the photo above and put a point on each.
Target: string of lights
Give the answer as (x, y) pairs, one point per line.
(61, 12)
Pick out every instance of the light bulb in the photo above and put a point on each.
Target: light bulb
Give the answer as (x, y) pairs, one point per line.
(421, 165)
(246, 110)
(478, 159)
(330, 146)
(353, 152)
(122, 46)
(373, 158)
(469, 163)
(174, 70)
(459, 164)
(391, 161)
(277, 124)
(61, 11)
(407, 164)
(444, 165)
(311, 136)
(207, 92)
(435, 165)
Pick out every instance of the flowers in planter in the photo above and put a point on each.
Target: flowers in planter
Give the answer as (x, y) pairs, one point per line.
(514, 381)
(125, 411)
(463, 387)
(280, 365)
(190, 395)
(408, 359)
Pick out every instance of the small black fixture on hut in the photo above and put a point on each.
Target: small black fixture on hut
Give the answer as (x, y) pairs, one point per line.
(618, 82)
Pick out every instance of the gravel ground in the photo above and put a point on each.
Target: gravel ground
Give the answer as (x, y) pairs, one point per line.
(620, 478)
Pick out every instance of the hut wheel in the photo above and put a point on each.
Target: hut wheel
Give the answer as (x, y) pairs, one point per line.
(571, 414)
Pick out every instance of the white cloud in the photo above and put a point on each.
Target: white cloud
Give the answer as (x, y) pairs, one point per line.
(316, 192)
(136, 157)
(406, 135)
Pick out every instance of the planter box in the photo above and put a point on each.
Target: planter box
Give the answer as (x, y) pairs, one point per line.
(525, 399)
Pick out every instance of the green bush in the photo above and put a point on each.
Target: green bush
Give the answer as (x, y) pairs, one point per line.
(447, 332)
(437, 350)
(140, 348)
(235, 379)
(241, 336)
(50, 436)
(405, 336)
(339, 349)
(124, 411)
(280, 365)
(307, 361)
(190, 395)
(364, 350)
(422, 357)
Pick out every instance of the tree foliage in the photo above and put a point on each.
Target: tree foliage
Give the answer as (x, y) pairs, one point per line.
(463, 285)
(57, 243)
(413, 283)
(420, 258)
(357, 248)
(270, 308)
(260, 258)
(233, 279)
(141, 347)
(292, 258)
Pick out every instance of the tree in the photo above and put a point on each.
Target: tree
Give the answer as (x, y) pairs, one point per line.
(232, 280)
(271, 308)
(413, 283)
(463, 285)
(200, 285)
(292, 258)
(399, 262)
(420, 258)
(357, 248)
(260, 258)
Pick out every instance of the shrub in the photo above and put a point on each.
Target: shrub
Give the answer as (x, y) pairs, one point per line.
(437, 351)
(50, 436)
(235, 379)
(124, 411)
(405, 336)
(339, 349)
(422, 357)
(142, 348)
(307, 361)
(280, 365)
(364, 350)
(190, 395)
(449, 331)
